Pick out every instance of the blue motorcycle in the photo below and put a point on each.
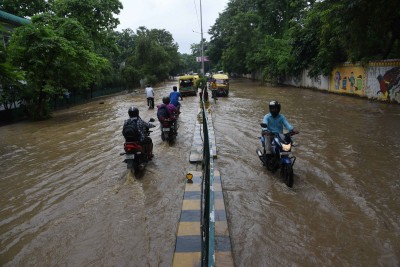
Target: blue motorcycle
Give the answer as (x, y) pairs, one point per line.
(281, 157)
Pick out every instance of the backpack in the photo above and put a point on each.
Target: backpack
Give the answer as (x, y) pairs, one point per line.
(130, 131)
(162, 112)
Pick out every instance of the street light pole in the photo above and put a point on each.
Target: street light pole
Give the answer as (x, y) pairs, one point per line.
(202, 45)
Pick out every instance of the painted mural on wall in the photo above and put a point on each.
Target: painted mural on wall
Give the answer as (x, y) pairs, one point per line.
(348, 79)
(384, 83)
(379, 80)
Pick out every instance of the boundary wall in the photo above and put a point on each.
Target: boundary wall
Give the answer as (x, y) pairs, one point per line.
(379, 80)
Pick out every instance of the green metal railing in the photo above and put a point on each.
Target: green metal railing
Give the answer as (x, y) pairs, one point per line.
(208, 210)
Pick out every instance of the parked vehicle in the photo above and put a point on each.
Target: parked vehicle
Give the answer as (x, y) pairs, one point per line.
(281, 155)
(222, 81)
(187, 85)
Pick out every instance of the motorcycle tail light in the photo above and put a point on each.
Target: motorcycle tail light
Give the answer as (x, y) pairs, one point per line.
(286, 147)
(131, 147)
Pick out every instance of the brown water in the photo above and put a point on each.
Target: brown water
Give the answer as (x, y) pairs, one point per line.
(66, 198)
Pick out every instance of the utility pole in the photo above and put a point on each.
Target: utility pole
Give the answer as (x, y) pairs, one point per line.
(201, 43)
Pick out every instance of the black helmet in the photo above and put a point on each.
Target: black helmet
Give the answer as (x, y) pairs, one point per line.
(133, 112)
(174, 88)
(166, 100)
(274, 108)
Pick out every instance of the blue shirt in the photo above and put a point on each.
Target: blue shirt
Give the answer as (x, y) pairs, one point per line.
(174, 98)
(275, 125)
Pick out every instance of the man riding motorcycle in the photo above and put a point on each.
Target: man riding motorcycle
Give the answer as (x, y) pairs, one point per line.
(174, 97)
(171, 109)
(167, 112)
(142, 126)
(275, 123)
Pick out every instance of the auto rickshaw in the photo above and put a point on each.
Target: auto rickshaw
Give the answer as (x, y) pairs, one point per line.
(187, 85)
(222, 82)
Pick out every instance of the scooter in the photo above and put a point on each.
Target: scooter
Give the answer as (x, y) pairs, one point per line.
(281, 157)
(169, 130)
(135, 157)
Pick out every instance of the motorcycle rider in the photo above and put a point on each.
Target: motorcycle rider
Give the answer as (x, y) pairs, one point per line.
(172, 112)
(150, 96)
(145, 141)
(275, 123)
(174, 97)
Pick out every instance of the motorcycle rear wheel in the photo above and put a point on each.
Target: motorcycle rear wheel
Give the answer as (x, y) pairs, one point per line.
(287, 175)
(172, 137)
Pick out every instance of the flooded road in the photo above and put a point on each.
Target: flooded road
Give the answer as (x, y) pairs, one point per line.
(66, 198)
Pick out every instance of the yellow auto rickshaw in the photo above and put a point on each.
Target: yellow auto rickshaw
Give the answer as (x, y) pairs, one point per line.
(187, 85)
(222, 84)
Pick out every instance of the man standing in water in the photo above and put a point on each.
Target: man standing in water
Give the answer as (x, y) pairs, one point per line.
(214, 89)
(150, 96)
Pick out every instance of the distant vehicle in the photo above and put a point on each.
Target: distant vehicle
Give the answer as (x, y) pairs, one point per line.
(187, 85)
(222, 81)
(220, 72)
(207, 74)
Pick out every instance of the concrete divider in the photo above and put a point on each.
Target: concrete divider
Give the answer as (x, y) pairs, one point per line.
(188, 241)
(196, 151)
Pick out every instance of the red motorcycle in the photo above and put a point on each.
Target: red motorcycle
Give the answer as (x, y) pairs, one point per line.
(136, 158)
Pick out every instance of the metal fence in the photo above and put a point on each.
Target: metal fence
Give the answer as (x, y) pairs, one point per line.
(57, 103)
(208, 214)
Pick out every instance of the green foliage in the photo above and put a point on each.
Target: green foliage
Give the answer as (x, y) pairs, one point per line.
(201, 82)
(56, 55)
(151, 79)
(285, 37)
(96, 16)
(25, 8)
(97, 19)
(152, 54)
(187, 64)
(71, 45)
(275, 57)
(131, 77)
(10, 80)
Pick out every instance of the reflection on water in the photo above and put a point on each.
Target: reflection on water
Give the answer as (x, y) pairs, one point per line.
(67, 198)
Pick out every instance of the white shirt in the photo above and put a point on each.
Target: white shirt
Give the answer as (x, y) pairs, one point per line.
(149, 92)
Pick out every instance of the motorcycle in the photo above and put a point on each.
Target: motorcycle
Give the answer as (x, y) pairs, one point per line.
(135, 157)
(280, 158)
(169, 129)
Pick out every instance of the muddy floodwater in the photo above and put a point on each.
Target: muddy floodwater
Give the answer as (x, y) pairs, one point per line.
(66, 198)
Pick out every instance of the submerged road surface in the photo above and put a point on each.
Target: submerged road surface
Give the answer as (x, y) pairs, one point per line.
(66, 198)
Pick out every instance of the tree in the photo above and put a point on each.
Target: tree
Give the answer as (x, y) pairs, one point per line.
(365, 29)
(56, 55)
(10, 79)
(96, 16)
(153, 55)
(25, 8)
(333, 32)
(125, 41)
(286, 37)
(188, 63)
(314, 46)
